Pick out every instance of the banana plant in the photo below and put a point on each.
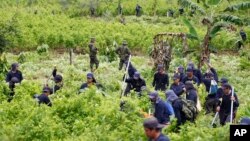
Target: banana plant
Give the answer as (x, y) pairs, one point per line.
(214, 23)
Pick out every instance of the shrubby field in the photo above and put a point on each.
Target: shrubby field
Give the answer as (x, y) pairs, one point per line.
(92, 116)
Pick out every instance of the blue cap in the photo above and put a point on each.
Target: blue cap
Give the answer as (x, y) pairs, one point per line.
(176, 76)
(153, 95)
(189, 69)
(223, 80)
(90, 75)
(152, 123)
(46, 89)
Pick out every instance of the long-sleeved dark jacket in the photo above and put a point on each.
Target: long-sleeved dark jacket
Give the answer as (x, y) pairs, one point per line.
(161, 81)
(177, 106)
(178, 89)
(194, 79)
(17, 74)
(44, 99)
(136, 84)
(225, 106)
(192, 95)
(161, 112)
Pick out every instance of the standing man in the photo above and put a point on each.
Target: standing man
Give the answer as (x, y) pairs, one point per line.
(58, 79)
(138, 10)
(210, 80)
(152, 130)
(123, 53)
(13, 77)
(14, 72)
(92, 54)
(196, 71)
(161, 80)
(161, 111)
(224, 108)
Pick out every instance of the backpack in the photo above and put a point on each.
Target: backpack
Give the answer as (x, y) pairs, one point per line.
(213, 87)
(189, 109)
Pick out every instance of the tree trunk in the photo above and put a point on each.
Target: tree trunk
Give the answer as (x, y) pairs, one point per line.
(154, 7)
(205, 52)
(70, 56)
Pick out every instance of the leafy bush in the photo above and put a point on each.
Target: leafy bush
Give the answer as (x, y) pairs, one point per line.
(44, 48)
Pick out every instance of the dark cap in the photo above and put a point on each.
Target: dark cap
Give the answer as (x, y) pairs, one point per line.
(176, 76)
(90, 75)
(14, 66)
(153, 95)
(152, 123)
(223, 80)
(245, 121)
(46, 89)
(189, 69)
(226, 85)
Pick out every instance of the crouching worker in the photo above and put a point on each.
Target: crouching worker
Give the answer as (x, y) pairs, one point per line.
(161, 112)
(224, 108)
(152, 130)
(91, 81)
(136, 83)
(44, 97)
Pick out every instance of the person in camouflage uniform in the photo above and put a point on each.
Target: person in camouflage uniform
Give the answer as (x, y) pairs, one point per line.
(92, 54)
(123, 52)
(161, 54)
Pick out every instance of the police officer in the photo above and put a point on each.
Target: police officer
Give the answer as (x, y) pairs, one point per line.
(14, 72)
(123, 52)
(224, 107)
(196, 72)
(208, 78)
(190, 76)
(13, 77)
(91, 81)
(44, 97)
(92, 54)
(178, 87)
(161, 79)
(138, 10)
(161, 111)
(58, 79)
(152, 130)
(136, 83)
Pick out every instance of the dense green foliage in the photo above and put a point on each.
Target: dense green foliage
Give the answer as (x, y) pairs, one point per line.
(65, 23)
(90, 115)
